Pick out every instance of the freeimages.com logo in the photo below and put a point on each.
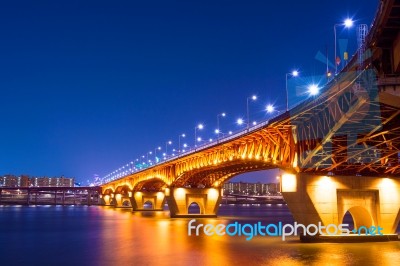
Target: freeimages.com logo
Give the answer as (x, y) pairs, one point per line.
(279, 229)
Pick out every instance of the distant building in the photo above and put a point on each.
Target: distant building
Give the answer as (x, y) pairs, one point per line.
(251, 188)
(25, 181)
(14, 181)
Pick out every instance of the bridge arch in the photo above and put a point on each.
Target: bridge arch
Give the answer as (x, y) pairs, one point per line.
(123, 190)
(216, 175)
(151, 185)
(195, 207)
(149, 204)
(361, 217)
(108, 191)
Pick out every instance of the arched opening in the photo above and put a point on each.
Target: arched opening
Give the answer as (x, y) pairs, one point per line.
(126, 203)
(255, 194)
(113, 201)
(148, 205)
(194, 208)
(356, 217)
(348, 219)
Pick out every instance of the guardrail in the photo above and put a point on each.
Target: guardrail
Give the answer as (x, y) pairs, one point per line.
(201, 147)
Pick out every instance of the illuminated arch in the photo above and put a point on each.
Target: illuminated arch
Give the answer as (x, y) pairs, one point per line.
(195, 207)
(148, 205)
(151, 185)
(215, 176)
(108, 190)
(361, 217)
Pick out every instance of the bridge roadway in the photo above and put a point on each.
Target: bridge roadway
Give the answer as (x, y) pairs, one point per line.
(339, 151)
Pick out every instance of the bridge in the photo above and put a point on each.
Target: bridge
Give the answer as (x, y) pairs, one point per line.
(339, 150)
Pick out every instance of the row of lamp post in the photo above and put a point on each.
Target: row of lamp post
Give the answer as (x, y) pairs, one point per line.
(312, 90)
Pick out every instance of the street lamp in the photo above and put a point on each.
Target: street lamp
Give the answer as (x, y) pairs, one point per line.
(294, 73)
(270, 108)
(240, 121)
(218, 131)
(200, 127)
(184, 146)
(155, 153)
(348, 23)
(179, 142)
(254, 97)
(147, 155)
(313, 89)
(166, 147)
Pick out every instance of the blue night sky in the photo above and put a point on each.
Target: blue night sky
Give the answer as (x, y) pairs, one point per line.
(87, 86)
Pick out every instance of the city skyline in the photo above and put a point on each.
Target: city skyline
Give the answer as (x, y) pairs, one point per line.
(87, 88)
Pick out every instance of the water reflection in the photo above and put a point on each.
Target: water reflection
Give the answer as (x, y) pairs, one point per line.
(108, 236)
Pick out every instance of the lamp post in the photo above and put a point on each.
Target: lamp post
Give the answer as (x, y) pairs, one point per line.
(294, 73)
(347, 24)
(200, 127)
(147, 155)
(254, 97)
(179, 142)
(155, 153)
(166, 147)
(218, 131)
(184, 146)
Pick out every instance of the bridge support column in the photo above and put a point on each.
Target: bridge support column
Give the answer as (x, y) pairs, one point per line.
(106, 200)
(371, 201)
(148, 201)
(207, 199)
(122, 200)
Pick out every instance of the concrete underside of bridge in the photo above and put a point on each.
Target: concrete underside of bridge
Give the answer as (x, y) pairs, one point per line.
(371, 201)
(138, 201)
(179, 200)
(207, 199)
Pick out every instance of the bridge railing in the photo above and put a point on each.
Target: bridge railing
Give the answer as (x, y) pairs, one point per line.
(200, 147)
(235, 135)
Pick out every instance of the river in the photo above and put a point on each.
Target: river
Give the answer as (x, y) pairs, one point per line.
(96, 235)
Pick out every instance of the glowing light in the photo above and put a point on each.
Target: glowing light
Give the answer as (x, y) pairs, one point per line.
(289, 183)
(254, 123)
(180, 192)
(348, 23)
(325, 181)
(313, 89)
(199, 139)
(295, 73)
(223, 114)
(217, 131)
(270, 108)
(254, 97)
(240, 121)
(213, 194)
(200, 126)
